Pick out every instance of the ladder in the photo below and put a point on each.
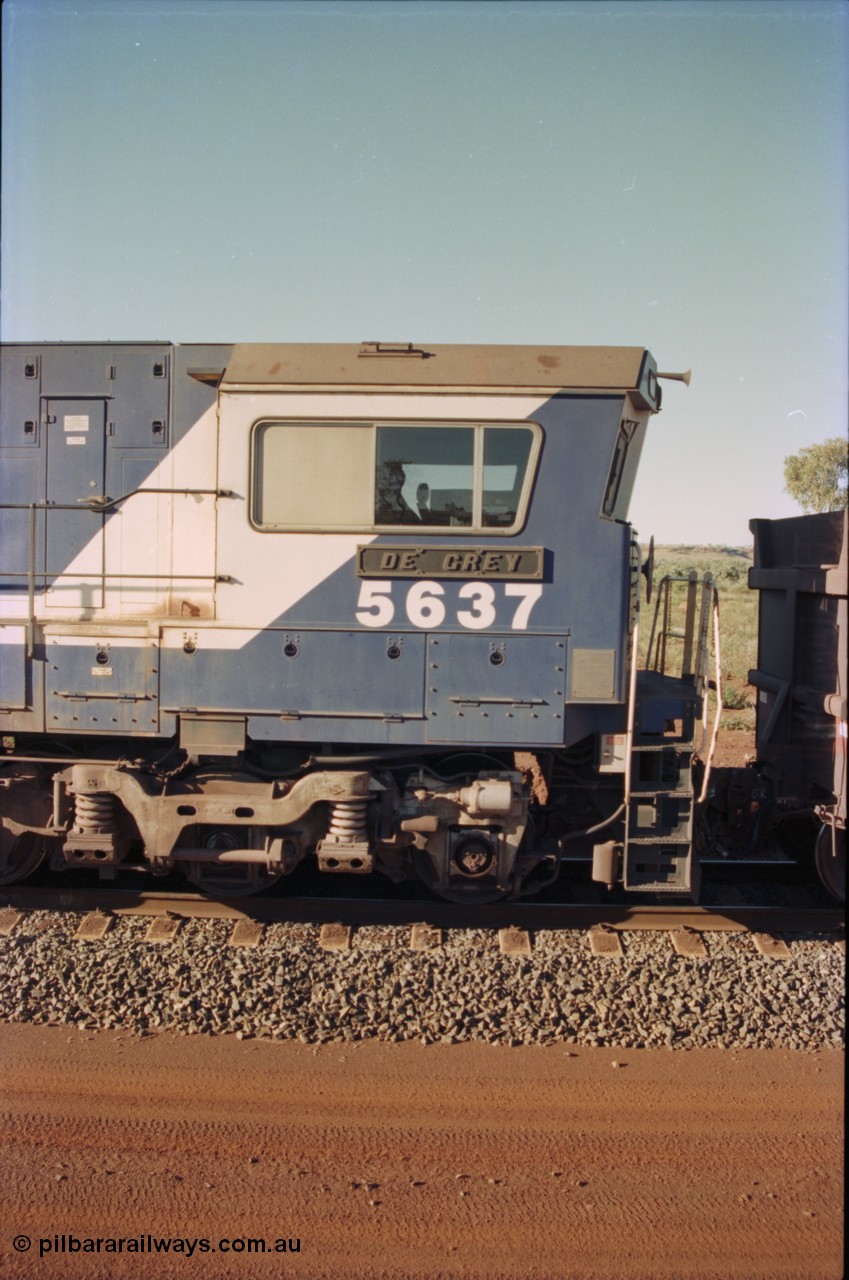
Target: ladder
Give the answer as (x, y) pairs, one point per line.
(669, 711)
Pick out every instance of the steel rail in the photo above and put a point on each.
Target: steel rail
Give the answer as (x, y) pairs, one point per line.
(369, 911)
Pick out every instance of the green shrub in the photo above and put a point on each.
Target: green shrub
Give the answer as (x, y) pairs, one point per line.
(736, 723)
(735, 699)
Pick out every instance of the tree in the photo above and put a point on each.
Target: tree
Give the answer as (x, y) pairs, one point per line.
(817, 476)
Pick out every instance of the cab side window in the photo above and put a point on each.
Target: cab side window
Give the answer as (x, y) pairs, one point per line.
(506, 453)
(424, 475)
(333, 476)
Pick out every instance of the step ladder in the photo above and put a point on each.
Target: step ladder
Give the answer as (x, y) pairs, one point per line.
(668, 726)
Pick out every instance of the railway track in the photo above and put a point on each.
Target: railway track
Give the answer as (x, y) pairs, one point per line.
(528, 916)
(332, 970)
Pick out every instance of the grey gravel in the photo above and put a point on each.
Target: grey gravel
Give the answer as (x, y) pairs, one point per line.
(289, 988)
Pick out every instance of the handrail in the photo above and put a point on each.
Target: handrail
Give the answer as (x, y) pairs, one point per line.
(717, 687)
(696, 654)
(100, 503)
(117, 573)
(695, 650)
(31, 585)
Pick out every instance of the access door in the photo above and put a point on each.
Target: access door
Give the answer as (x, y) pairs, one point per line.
(76, 431)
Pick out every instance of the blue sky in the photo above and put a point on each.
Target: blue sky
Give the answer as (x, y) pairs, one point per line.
(668, 174)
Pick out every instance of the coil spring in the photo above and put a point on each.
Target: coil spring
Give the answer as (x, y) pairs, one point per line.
(94, 811)
(348, 821)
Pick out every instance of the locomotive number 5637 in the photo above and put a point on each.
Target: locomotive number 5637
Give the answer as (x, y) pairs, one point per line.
(478, 606)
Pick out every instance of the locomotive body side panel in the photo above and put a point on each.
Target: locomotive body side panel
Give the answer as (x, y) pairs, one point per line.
(260, 557)
(118, 429)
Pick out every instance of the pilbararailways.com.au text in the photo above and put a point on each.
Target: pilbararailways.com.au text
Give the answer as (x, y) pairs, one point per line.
(146, 1243)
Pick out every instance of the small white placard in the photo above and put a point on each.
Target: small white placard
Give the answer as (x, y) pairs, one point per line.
(76, 421)
(75, 439)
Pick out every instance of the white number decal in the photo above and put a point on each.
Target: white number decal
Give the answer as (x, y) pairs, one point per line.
(528, 593)
(424, 606)
(375, 607)
(482, 613)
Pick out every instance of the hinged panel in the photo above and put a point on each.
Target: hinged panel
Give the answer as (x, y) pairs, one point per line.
(21, 382)
(495, 688)
(103, 684)
(139, 410)
(293, 674)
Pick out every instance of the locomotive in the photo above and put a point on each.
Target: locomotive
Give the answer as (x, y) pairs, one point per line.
(375, 606)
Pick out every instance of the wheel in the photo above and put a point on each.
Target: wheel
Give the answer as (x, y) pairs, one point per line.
(473, 891)
(19, 856)
(233, 879)
(229, 882)
(830, 859)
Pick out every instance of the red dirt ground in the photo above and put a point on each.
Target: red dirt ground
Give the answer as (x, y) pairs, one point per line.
(472, 1162)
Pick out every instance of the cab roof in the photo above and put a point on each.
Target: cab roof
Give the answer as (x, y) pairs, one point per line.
(460, 367)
